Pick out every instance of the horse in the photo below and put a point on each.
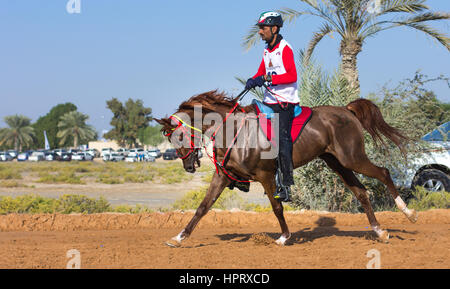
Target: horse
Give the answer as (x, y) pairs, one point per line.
(333, 134)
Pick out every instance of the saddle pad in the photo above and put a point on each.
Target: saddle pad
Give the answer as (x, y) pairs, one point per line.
(268, 111)
(298, 124)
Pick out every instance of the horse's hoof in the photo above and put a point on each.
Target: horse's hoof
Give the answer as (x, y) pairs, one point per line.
(282, 240)
(173, 243)
(384, 237)
(413, 216)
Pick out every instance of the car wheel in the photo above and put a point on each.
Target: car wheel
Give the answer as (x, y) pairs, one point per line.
(433, 180)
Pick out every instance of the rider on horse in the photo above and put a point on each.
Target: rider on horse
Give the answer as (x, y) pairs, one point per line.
(278, 70)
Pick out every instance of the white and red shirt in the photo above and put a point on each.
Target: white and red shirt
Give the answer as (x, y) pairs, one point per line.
(279, 63)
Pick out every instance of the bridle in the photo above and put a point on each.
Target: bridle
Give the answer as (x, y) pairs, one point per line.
(182, 125)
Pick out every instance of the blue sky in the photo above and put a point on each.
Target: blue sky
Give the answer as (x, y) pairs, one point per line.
(166, 51)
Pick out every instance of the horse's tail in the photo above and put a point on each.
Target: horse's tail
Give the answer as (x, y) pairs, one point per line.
(372, 120)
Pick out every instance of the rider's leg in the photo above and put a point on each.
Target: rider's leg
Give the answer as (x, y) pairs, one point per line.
(285, 164)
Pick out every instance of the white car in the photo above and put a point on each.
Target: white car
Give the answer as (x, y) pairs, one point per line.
(135, 152)
(131, 159)
(122, 151)
(37, 157)
(106, 151)
(93, 152)
(82, 156)
(431, 169)
(113, 157)
(4, 157)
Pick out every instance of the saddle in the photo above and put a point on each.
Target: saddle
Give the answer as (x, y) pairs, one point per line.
(302, 114)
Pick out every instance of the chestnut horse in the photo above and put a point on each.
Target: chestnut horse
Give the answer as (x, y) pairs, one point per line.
(334, 134)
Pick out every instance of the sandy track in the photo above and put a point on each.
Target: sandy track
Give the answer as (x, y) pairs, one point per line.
(223, 240)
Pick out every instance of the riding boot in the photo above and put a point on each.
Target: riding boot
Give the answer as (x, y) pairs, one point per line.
(282, 192)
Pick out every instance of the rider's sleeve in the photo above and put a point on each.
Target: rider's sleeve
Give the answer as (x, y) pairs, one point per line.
(261, 70)
(289, 64)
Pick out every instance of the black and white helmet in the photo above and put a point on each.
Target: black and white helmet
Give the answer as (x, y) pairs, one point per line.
(270, 18)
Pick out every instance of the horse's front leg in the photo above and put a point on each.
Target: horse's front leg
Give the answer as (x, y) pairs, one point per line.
(277, 208)
(218, 184)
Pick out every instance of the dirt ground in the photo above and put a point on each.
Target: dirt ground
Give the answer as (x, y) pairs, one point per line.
(223, 239)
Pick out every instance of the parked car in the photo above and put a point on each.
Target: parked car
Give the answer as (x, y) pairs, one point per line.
(136, 151)
(66, 157)
(123, 151)
(13, 153)
(37, 157)
(131, 159)
(93, 152)
(4, 157)
(51, 156)
(59, 152)
(23, 157)
(170, 154)
(156, 153)
(431, 169)
(82, 156)
(149, 158)
(106, 151)
(113, 157)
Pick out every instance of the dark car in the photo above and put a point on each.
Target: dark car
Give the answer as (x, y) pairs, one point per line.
(170, 154)
(67, 157)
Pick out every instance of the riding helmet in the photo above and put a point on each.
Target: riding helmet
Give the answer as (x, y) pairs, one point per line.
(270, 18)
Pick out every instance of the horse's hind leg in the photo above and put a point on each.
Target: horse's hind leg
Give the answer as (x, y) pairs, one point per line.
(277, 207)
(364, 166)
(218, 184)
(358, 189)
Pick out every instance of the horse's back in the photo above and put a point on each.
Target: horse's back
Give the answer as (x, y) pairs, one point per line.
(330, 130)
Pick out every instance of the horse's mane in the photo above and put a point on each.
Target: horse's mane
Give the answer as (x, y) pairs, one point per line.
(209, 101)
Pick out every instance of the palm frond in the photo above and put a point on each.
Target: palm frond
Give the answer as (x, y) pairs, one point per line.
(408, 6)
(290, 15)
(251, 38)
(317, 37)
(258, 92)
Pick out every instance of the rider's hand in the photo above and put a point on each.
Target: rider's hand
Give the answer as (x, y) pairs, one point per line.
(259, 81)
(250, 84)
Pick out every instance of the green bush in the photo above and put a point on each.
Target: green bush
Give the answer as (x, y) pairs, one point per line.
(29, 204)
(66, 204)
(191, 200)
(66, 178)
(82, 204)
(424, 200)
(409, 107)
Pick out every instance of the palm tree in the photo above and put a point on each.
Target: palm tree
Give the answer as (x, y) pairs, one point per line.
(18, 134)
(356, 20)
(73, 124)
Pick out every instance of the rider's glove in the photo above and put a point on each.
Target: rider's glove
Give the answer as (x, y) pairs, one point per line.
(250, 84)
(259, 81)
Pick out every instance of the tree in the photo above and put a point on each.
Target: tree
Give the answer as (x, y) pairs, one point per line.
(151, 135)
(127, 120)
(19, 134)
(356, 20)
(73, 124)
(49, 123)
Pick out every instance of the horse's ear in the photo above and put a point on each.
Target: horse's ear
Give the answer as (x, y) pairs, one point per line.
(160, 121)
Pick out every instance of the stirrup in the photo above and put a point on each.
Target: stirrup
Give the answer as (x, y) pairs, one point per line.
(282, 194)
